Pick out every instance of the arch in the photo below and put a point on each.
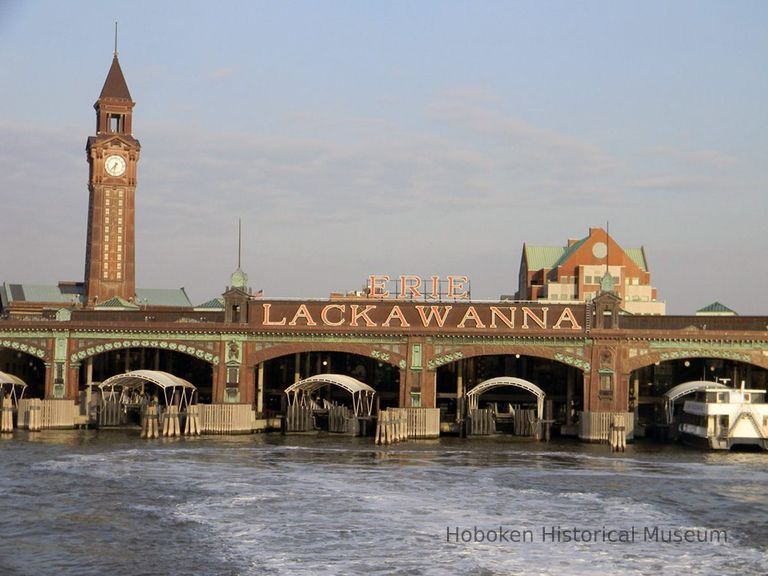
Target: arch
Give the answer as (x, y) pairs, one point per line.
(379, 353)
(671, 355)
(474, 394)
(676, 392)
(362, 394)
(187, 349)
(130, 381)
(455, 353)
(25, 348)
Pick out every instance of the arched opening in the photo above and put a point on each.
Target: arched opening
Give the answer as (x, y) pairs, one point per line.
(27, 367)
(283, 371)
(108, 364)
(562, 384)
(649, 384)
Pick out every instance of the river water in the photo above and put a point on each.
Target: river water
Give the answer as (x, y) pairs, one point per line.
(108, 503)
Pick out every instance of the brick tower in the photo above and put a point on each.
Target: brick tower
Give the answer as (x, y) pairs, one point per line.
(113, 154)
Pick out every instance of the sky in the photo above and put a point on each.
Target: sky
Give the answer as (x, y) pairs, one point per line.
(428, 138)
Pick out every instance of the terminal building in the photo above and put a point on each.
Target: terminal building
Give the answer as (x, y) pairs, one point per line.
(585, 336)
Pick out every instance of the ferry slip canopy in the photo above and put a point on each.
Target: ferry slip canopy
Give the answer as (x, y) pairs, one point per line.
(138, 377)
(351, 385)
(6, 378)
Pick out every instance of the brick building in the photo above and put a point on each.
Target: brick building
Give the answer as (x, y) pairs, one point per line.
(578, 271)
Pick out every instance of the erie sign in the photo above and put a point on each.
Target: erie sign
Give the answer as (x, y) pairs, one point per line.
(411, 287)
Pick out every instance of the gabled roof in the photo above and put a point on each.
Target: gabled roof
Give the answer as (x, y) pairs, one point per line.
(115, 85)
(67, 293)
(61, 294)
(568, 251)
(715, 308)
(213, 304)
(176, 297)
(116, 303)
(550, 257)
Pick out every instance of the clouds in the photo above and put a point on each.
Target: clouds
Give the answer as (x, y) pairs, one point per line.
(457, 188)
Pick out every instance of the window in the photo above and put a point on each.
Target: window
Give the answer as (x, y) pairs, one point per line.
(115, 123)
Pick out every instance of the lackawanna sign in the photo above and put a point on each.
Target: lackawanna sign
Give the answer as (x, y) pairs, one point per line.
(365, 315)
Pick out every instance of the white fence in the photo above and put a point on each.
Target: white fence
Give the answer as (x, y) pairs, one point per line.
(596, 426)
(226, 418)
(52, 414)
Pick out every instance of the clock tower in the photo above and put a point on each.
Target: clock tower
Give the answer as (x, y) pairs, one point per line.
(113, 153)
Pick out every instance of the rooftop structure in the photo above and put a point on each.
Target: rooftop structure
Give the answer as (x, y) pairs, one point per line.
(583, 268)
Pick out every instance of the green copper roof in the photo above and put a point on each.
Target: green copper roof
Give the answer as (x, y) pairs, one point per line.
(638, 257)
(551, 257)
(568, 251)
(176, 297)
(116, 302)
(239, 279)
(66, 293)
(539, 257)
(716, 307)
(213, 304)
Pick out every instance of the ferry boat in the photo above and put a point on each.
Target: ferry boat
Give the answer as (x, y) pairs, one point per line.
(721, 418)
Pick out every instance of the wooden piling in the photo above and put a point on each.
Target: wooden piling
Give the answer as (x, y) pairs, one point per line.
(6, 420)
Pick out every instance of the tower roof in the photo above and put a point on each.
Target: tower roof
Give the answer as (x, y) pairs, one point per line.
(114, 85)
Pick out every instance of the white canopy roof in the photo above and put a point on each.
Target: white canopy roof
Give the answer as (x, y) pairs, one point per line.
(136, 378)
(688, 387)
(309, 385)
(474, 394)
(362, 394)
(16, 389)
(6, 378)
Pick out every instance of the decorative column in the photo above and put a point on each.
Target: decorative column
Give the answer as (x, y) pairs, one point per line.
(234, 365)
(460, 408)
(260, 389)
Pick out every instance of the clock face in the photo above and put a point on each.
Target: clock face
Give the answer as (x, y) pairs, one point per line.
(115, 165)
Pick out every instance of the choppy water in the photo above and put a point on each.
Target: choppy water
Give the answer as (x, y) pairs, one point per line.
(85, 503)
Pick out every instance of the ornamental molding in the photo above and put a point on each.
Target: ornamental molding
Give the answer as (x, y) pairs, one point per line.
(573, 361)
(444, 359)
(553, 342)
(705, 353)
(23, 347)
(161, 344)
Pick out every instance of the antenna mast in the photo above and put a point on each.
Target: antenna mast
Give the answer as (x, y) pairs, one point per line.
(239, 239)
(607, 245)
(115, 38)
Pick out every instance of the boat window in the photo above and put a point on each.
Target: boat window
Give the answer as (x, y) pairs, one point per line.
(722, 397)
(746, 397)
